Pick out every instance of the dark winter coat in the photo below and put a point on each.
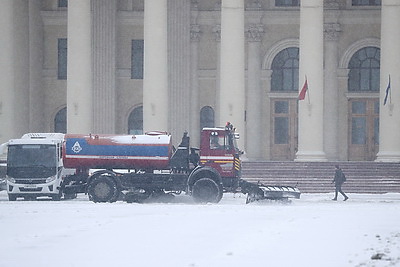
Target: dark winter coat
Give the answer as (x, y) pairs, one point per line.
(339, 177)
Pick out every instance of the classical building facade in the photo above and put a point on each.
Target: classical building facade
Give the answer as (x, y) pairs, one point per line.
(128, 66)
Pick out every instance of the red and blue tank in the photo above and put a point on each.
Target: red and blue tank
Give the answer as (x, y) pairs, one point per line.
(151, 151)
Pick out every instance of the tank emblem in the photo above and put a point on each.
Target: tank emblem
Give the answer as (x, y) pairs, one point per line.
(76, 147)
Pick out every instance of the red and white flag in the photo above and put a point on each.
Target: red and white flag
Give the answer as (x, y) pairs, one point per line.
(303, 91)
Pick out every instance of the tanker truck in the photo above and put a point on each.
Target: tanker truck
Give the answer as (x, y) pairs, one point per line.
(137, 167)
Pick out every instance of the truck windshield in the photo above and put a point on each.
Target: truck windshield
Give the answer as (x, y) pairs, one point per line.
(29, 155)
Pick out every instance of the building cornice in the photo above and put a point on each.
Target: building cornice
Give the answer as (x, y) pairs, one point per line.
(365, 16)
(288, 17)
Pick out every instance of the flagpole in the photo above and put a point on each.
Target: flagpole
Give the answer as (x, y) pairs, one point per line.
(390, 92)
(304, 90)
(308, 89)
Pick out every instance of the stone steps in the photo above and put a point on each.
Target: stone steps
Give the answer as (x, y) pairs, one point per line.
(316, 177)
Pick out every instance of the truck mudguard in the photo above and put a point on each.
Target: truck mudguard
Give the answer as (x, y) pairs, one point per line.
(203, 172)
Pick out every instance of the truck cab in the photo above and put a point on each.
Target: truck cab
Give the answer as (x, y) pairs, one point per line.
(219, 150)
(35, 166)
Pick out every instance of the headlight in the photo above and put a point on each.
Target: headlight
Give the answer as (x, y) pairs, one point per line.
(51, 179)
(10, 179)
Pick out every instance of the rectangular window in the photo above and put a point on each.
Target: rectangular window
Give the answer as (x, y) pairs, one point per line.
(366, 2)
(62, 58)
(137, 59)
(281, 130)
(359, 107)
(376, 131)
(62, 3)
(281, 107)
(359, 131)
(376, 108)
(287, 2)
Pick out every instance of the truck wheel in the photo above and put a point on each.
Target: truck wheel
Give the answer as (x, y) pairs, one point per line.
(56, 197)
(206, 190)
(70, 195)
(103, 189)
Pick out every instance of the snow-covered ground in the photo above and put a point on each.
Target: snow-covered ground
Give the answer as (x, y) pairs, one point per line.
(311, 231)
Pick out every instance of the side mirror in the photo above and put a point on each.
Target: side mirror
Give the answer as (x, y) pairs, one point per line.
(3, 148)
(237, 136)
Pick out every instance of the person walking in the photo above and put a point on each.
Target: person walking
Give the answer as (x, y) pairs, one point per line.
(339, 179)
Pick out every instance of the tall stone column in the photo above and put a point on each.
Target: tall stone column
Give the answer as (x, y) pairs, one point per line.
(104, 31)
(155, 83)
(179, 67)
(389, 115)
(217, 38)
(311, 66)
(79, 77)
(254, 34)
(7, 75)
(195, 94)
(331, 116)
(36, 93)
(232, 91)
(14, 69)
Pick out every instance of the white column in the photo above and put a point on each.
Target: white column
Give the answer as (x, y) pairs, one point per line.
(331, 116)
(7, 94)
(254, 34)
(195, 94)
(104, 32)
(232, 91)
(179, 67)
(311, 65)
(36, 44)
(155, 83)
(21, 59)
(217, 38)
(389, 115)
(79, 77)
(14, 69)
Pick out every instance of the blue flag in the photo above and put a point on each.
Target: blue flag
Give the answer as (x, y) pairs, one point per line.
(387, 92)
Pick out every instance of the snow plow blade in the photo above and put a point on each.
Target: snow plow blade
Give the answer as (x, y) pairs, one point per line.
(257, 192)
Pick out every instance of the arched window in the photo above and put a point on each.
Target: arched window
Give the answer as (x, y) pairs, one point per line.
(285, 70)
(207, 117)
(60, 121)
(135, 121)
(364, 71)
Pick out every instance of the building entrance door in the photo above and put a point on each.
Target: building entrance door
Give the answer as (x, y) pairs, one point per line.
(284, 129)
(363, 129)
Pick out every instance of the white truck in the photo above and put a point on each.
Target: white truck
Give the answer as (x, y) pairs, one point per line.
(35, 166)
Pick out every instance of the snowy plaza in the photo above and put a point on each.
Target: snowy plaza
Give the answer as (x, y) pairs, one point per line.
(310, 231)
